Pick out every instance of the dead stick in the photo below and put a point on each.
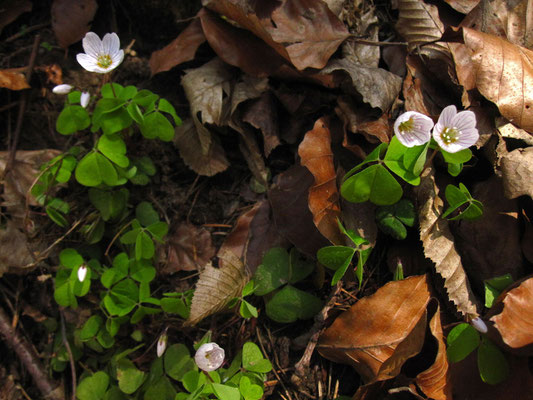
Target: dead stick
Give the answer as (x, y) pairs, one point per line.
(29, 359)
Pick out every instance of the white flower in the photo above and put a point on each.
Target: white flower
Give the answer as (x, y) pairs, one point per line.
(100, 56)
(82, 273)
(209, 356)
(84, 99)
(413, 129)
(480, 325)
(455, 131)
(162, 344)
(62, 89)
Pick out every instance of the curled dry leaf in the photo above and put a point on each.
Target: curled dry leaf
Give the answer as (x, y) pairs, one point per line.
(315, 153)
(180, 50)
(216, 287)
(515, 322)
(435, 381)
(189, 248)
(15, 253)
(11, 10)
(517, 170)
(501, 71)
(306, 32)
(289, 201)
(262, 114)
(463, 6)
(380, 332)
(187, 139)
(71, 19)
(439, 246)
(13, 79)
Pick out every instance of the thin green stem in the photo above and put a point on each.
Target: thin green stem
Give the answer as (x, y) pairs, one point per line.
(429, 160)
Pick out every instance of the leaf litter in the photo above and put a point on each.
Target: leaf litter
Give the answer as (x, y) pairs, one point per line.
(282, 79)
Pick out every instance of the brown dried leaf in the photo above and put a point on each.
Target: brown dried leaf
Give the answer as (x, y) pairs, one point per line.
(439, 246)
(180, 50)
(515, 322)
(501, 71)
(306, 32)
(377, 86)
(315, 153)
(13, 79)
(435, 381)
(380, 332)
(517, 170)
(491, 246)
(189, 248)
(71, 19)
(248, 87)
(11, 10)
(15, 253)
(216, 287)
(262, 114)
(289, 200)
(419, 23)
(463, 6)
(188, 141)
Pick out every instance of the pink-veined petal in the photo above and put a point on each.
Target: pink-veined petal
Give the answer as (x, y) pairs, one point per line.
(92, 45)
(110, 43)
(420, 131)
(86, 61)
(464, 120)
(447, 115)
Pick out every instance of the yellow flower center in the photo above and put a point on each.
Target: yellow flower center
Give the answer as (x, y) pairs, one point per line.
(104, 61)
(449, 135)
(406, 126)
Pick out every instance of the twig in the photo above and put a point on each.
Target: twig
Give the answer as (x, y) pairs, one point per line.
(357, 40)
(29, 360)
(26, 31)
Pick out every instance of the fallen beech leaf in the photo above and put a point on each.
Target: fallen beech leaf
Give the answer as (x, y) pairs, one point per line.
(15, 253)
(435, 381)
(11, 10)
(189, 248)
(306, 32)
(463, 6)
(180, 50)
(377, 86)
(501, 71)
(289, 200)
(216, 287)
(315, 153)
(419, 23)
(247, 88)
(71, 19)
(490, 246)
(238, 47)
(514, 322)
(439, 246)
(380, 332)
(517, 170)
(187, 140)
(262, 114)
(13, 79)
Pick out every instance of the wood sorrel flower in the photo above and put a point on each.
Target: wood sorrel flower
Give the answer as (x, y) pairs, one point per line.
(455, 131)
(209, 357)
(162, 344)
(413, 129)
(62, 89)
(84, 99)
(101, 56)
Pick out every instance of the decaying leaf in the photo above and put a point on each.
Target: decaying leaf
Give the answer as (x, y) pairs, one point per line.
(377, 86)
(515, 322)
(187, 140)
(262, 114)
(517, 171)
(315, 153)
(13, 79)
(189, 248)
(501, 71)
(439, 246)
(435, 381)
(463, 6)
(71, 19)
(11, 10)
(216, 287)
(15, 253)
(380, 332)
(289, 200)
(306, 32)
(180, 50)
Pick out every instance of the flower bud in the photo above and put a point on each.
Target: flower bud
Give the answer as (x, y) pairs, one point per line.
(162, 344)
(209, 357)
(84, 99)
(479, 325)
(82, 273)
(62, 89)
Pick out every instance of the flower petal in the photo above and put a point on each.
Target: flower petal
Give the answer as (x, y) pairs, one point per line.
(110, 43)
(416, 134)
(62, 89)
(92, 45)
(209, 357)
(447, 115)
(117, 59)
(84, 99)
(464, 120)
(468, 137)
(87, 62)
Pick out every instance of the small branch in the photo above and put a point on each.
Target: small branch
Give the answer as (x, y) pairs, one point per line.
(26, 31)
(357, 40)
(30, 361)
